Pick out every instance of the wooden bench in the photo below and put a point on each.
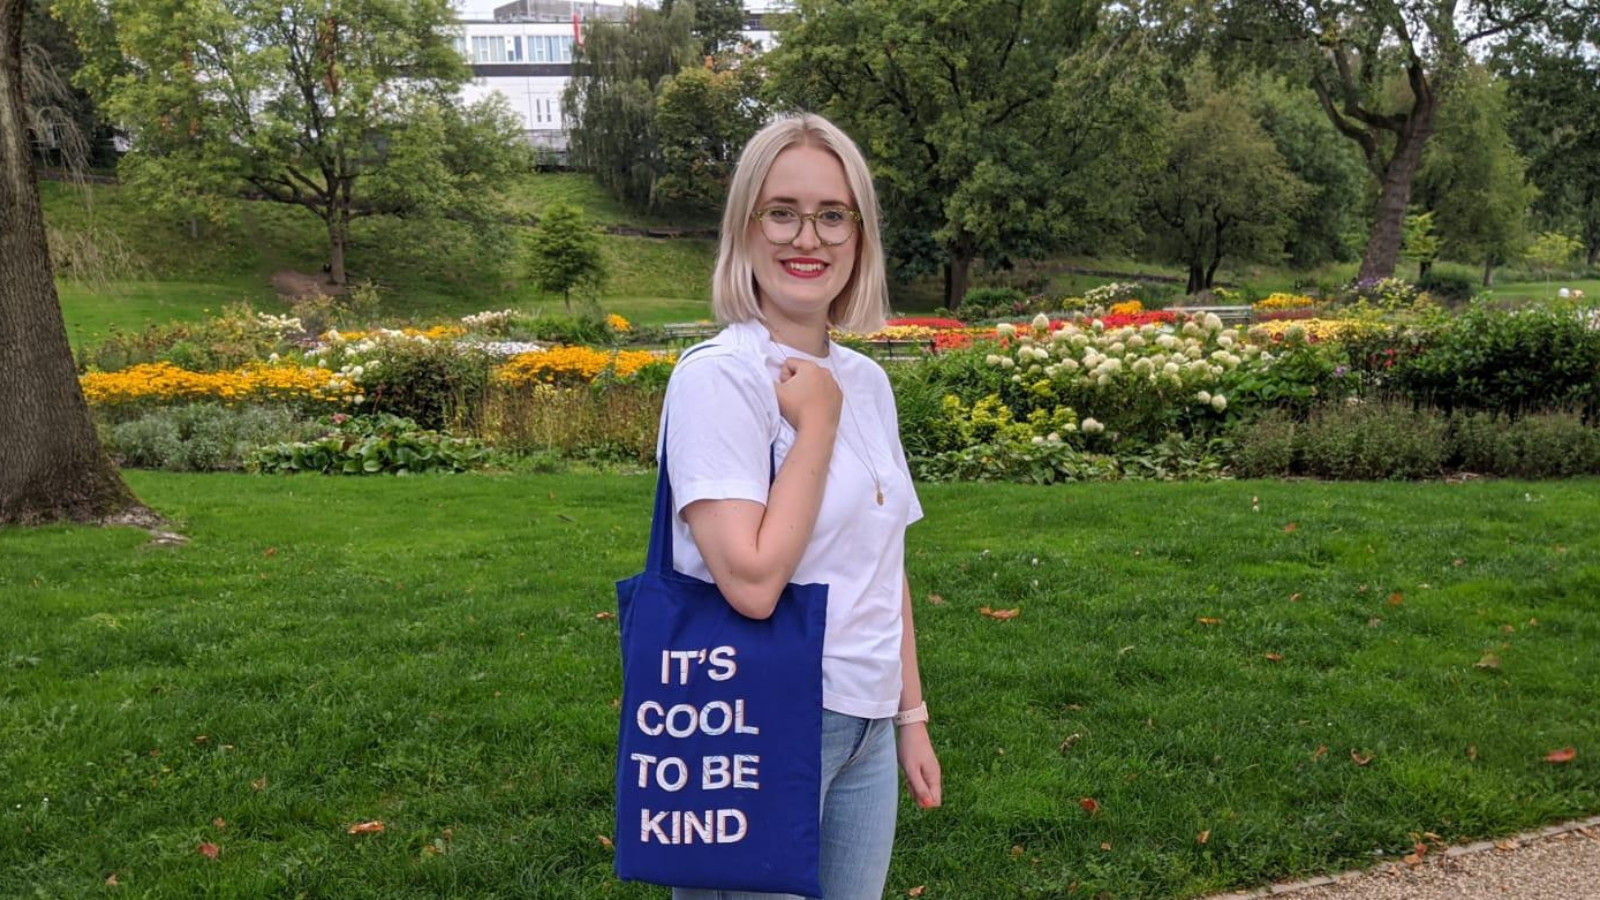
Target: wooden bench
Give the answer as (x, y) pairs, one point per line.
(898, 349)
(1230, 315)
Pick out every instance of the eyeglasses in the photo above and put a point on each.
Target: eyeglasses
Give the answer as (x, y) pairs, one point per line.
(782, 224)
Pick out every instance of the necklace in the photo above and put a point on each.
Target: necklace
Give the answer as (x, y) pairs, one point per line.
(864, 457)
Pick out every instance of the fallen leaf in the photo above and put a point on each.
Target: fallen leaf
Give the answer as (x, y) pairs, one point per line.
(1208, 621)
(208, 850)
(1396, 598)
(1001, 614)
(1089, 805)
(916, 891)
(1374, 622)
(1294, 598)
(936, 600)
(200, 739)
(375, 827)
(270, 552)
(1564, 755)
(1291, 528)
(604, 841)
(1460, 562)
(1489, 661)
(1434, 838)
(1320, 753)
(616, 702)
(1362, 589)
(1508, 629)
(1507, 845)
(1016, 850)
(1413, 859)
(1533, 623)
(259, 784)
(1106, 845)
(1358, 759)
(1071, 739)
(219, 823)
(1275, 657)
(602, 616)
(1472, 752)
(112, 880)
(1203, 837)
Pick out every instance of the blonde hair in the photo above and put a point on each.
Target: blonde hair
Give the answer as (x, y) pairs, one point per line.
(864, 303)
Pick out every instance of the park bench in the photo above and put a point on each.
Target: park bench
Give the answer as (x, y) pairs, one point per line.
(1230, 315)
(686, 333)
(898, 349)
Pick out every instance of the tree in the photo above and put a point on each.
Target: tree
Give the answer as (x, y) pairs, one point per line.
(52, 466)
(1554, 92)
(1329, 165)
(1353, 53)
(565, 253)
(1420, 244)
(347, 108)
(718, 24)
(1473, 178)
(610, 101)
(704, 116)
(1551, 251)
(971, 113)
(1225, 190)
(65, 119)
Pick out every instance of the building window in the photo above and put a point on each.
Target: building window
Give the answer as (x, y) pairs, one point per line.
(565, 44)
(540, 51)
(516, 49)
(460, 43)
(489, 49)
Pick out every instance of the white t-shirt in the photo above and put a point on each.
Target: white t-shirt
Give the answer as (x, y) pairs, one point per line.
(721, 417)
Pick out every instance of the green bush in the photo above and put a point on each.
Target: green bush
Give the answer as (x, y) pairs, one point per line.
(437, 384)
(1452, 287)
(373, 445)
(201, 437)
(1552, 445)
(590, 330)
(234, 339)
(1508, 363)
(989, 302)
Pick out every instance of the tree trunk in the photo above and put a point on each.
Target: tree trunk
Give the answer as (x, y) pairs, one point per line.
(1197, 278)
(1424, 269)
(1394, 193)
(338, 236)
(956, 275)
(1594, 254)
(52, 466)
(1488, 272)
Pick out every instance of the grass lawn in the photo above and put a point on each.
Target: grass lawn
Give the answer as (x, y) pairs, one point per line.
(426, 652)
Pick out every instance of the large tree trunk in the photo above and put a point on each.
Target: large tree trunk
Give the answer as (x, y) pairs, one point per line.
(338, 236)
(1394, 193)
(956, 275)
(1594, 254)
(1488, 271)
(52, 466)
(1197, 278)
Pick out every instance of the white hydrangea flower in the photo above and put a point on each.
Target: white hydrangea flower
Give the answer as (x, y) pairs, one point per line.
(1203, 396)
(1219, 403)
(992, 359)
(1136, 342)
(1092, 426)
(1053, 438)
(1143, 366)
(1118, 348)
(1225, 339)
(1213, 323)
(1166, 342)
(1041, 321)
(1190, 329)
(1170, 368)
(1007, 362)
(1005, 329)
(1070, 364)
(1103, 380)
(1037, 440)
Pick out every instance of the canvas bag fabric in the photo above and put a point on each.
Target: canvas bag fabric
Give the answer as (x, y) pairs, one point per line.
(749, 758)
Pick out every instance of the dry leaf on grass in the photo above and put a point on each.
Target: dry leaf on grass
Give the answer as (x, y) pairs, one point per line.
(219, 823)
(375, 827)
(1320, 752)
(1489, 661)
(916, 891)
(1291, 528)
(208, 850)
(1205, 620)
(1564, 755)
(1090, 805)
(602, 616)
(1001, 614)
(259, 784)
(1358, 759)
(112, 880)
(1275, 657)
(604, 841)
(1203, 837)
(936, 600)
(1396, 598)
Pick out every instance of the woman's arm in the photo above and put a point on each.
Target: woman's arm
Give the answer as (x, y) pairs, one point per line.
(753, 550)
(917, 758)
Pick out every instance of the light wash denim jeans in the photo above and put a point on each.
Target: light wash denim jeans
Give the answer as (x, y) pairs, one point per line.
(860, 797)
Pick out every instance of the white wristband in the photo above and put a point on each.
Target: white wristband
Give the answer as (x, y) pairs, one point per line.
(918, 713)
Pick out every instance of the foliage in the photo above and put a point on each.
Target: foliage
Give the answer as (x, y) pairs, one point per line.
(569, 366)
(704, 117)
(989, 302)
(346, 108)
(719, 24)
(564, 253)
(1508, 363)
(201, 437)
(969, 112)
(1551, 251)
(147, 385)
(610, 422)
(373, 445)
(1419, 241)
(610, 100)
(1225, 189)
(435, 383)
(1473, 177)
(1331, 169)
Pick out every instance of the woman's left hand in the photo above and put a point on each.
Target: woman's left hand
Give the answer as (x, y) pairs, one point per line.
(920, 764)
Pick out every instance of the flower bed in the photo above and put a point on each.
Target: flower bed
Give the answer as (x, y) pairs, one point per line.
(262, 383)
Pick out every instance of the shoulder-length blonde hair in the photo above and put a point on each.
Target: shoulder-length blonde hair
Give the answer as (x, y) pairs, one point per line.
(864, 303)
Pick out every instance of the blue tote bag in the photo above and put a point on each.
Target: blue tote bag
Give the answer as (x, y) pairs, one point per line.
(719, 751)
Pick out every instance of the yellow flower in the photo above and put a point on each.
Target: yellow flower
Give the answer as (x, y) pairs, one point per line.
(618, 323)
(569, 365)
(1127, 308)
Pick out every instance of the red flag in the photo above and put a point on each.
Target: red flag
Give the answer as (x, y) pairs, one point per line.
(577, 32)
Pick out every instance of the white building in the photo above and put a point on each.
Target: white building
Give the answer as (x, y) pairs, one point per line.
(525, 53)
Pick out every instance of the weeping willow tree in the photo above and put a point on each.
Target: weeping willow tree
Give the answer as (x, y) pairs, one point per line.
(610, 102)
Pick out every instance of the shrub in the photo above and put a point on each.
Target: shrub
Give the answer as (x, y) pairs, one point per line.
(1552, 445)
(1362, 441)
(1508, 363)
(608, 422)
(1451, 287)
(236, 338)
(373, 445)
(989, 302)
(434, 383)
(201, 437)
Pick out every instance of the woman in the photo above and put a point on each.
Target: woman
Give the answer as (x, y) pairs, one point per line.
(801, 253)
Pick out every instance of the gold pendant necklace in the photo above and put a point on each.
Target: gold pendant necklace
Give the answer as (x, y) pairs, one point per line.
(862, 454)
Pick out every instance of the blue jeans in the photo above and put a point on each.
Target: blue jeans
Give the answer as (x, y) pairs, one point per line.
(860, 785)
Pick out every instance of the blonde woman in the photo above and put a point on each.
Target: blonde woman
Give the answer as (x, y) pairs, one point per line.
(801, 254)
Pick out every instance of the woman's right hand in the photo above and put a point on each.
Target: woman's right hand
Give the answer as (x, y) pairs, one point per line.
(808, 395)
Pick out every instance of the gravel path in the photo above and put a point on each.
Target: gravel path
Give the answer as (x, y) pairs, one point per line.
(1559, 863)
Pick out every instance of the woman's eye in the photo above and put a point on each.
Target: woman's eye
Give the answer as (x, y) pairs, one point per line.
(831, 217)
(781, 214)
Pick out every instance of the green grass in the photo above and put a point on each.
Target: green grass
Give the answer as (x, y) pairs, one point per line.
(425, 651)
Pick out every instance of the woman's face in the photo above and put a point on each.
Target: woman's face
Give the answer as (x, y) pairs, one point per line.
(802, 279)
